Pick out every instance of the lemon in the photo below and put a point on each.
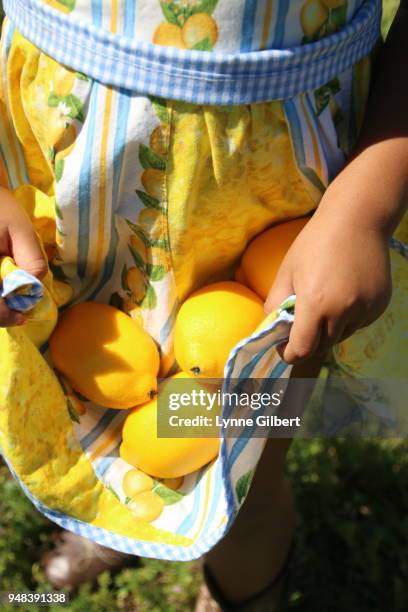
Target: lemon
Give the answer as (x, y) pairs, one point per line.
(153, 181)
(151, 221)
(135, 482)
(168, 35)
(312, 16)
(159, 140)
(263, 257)
(199, 27)
(64, 81)
(211, 322)
(162, 457)
(105, 355)
(147, 506)
(66, 142)
(240, 277)
(136, 282)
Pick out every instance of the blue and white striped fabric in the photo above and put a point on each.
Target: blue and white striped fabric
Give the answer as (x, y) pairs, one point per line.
(21, 290)
(196, 76)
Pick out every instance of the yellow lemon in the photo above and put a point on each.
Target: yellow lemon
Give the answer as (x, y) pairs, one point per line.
(312, 16)
(136, 282)
(163, 457)
(151, 221)
(105, 355)
(66, 142)
(64, 81)
(211, 322)
(240, 276)
(153, 181)
(159, 139)
(263, 257)
(133, 310)
(135, 482)
(199, 27)
(168, 35)
(147, 506)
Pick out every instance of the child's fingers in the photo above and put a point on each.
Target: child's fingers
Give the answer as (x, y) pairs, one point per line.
(26, 250)
(9, 318)
(281, 289)
(305, 334)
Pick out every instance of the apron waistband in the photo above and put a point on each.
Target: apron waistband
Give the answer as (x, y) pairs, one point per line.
(200, 77)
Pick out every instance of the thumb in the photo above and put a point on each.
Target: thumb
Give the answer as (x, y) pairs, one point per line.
(26, 250)
(280, 290)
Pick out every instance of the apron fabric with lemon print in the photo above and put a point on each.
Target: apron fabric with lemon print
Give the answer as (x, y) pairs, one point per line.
(138, 201)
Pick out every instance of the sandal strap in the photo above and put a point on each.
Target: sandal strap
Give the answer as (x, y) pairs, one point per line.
(268, 596)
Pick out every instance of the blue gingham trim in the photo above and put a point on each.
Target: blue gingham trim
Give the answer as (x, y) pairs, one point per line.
(195, 76)
(21, 290)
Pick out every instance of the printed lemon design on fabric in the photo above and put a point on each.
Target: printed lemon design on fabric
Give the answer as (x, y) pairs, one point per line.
(188, 25)
(379, 347)
(148, 244)
(46, 111)
(320, 18)
(231, 174)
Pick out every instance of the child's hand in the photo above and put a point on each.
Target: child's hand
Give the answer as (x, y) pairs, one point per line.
(340, 273)
(18, 239)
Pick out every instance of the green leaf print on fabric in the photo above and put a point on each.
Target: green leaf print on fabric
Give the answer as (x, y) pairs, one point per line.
(116, 301)
(155, 272)
(150, 299)
(150, 159)
(169, 496)
(203, 45)
(338, 16)
(59, 170)
(325, 93)
(205, 6)
(82, 77)
(124, 283)
(58, 211)
(242, 485)
(70, 4)
(168, 12)
(72, 412)
(149, 201)
(70, 105)
(160, 108)
(137, 258)
(177, 13)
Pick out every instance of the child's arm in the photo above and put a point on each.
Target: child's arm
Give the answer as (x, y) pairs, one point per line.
(339, 265)
(18, 239)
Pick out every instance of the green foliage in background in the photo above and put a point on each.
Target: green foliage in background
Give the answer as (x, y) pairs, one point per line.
(351, 546)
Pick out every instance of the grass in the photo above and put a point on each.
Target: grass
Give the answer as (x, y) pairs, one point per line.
(351, 547)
